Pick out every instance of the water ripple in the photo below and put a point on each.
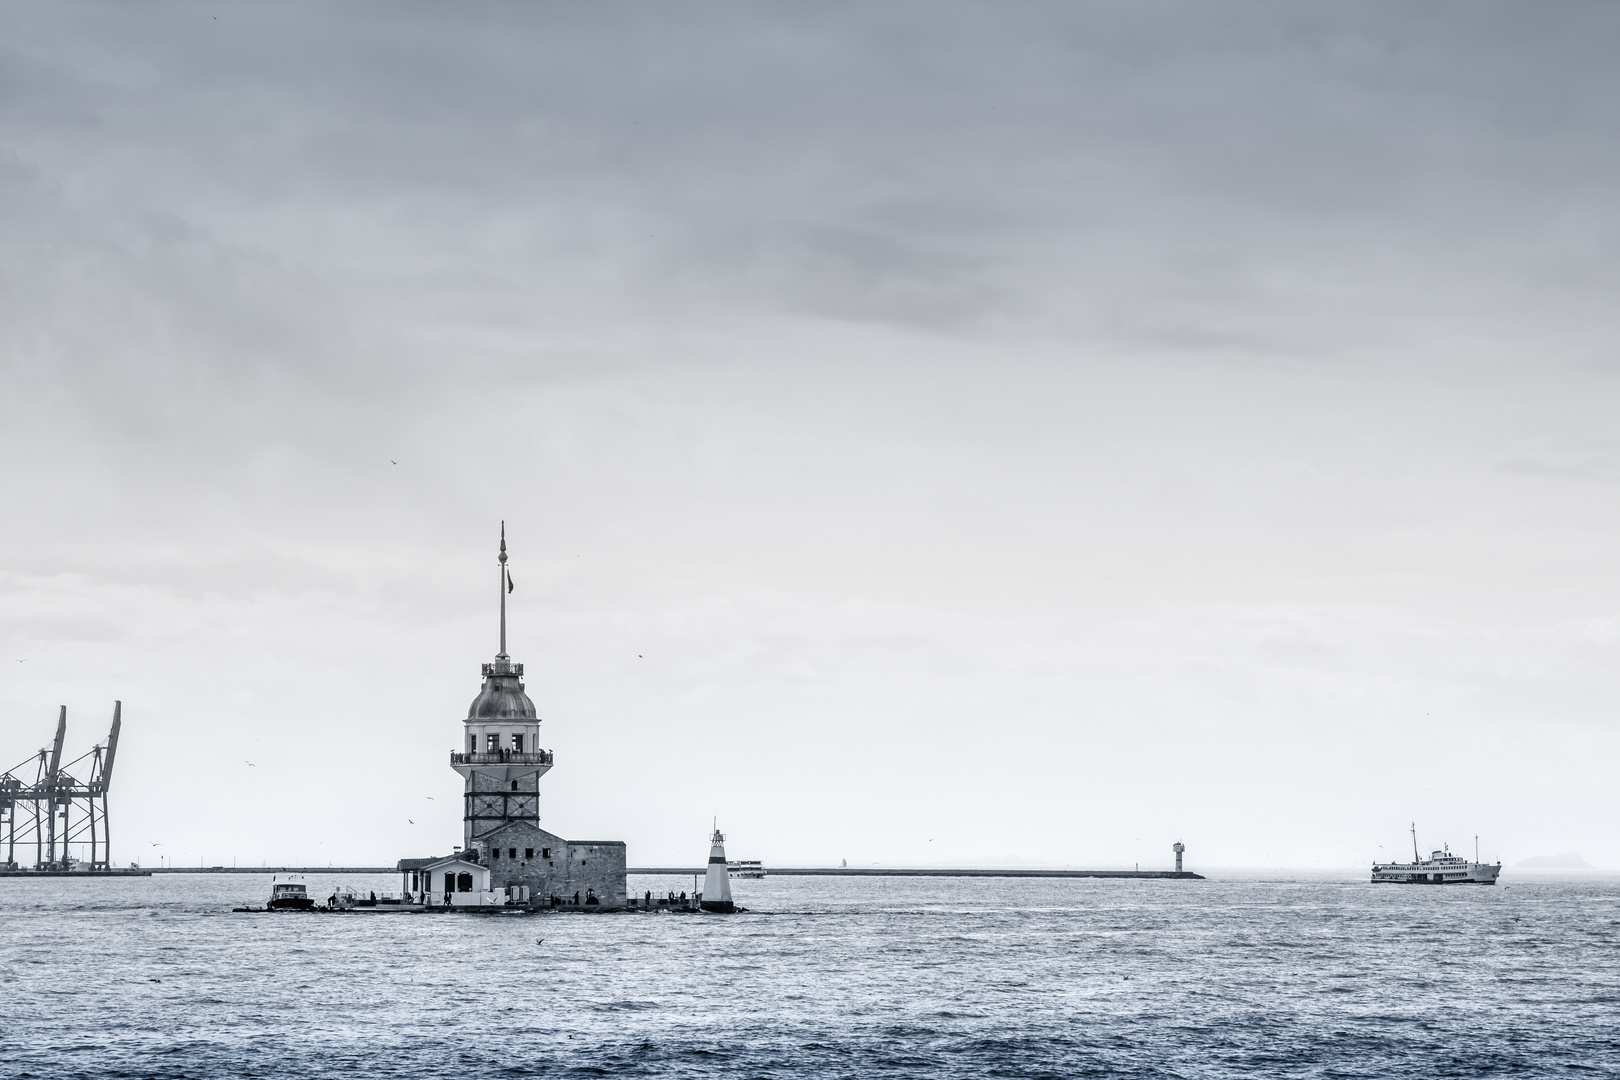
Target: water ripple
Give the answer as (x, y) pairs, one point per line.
(858, 978)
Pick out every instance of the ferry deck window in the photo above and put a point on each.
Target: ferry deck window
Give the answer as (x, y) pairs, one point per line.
(494, 742)
(517, 742)
(472, 743)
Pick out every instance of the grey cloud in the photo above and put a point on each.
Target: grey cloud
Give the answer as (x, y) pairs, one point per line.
(1108, 140)
(1605, 471)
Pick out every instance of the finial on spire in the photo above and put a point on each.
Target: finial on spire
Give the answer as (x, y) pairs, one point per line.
(502, 654)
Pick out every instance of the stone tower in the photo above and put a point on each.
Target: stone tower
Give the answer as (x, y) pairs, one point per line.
(500, 761)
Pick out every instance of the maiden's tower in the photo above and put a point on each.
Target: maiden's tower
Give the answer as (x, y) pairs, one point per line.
(501, 762)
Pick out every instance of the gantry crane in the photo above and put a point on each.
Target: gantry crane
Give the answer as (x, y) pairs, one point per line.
(55, 811)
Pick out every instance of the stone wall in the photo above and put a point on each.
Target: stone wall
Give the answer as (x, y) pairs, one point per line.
(490, 801)
(551, 866)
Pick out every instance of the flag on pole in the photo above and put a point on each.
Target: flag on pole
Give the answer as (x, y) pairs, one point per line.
(509, 585)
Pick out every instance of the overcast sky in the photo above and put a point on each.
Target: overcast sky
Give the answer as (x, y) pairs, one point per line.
(927, 433)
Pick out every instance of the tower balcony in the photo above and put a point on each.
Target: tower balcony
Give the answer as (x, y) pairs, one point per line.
(502, 757)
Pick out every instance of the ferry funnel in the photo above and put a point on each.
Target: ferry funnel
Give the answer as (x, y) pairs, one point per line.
(717, 882)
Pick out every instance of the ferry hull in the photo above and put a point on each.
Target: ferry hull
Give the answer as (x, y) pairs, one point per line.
(1400, 874)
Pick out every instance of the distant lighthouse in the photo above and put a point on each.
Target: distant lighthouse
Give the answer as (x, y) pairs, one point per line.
(1178, 849)
(717, 882)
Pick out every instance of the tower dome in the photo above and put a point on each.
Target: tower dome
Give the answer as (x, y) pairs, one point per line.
(502, 696)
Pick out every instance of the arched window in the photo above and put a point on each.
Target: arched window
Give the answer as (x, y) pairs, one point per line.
(463, 882)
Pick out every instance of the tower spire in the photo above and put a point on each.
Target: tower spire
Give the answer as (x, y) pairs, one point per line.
(502, 654)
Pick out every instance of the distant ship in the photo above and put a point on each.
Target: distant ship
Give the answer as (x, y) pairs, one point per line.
(1440, 868)
(745, 868)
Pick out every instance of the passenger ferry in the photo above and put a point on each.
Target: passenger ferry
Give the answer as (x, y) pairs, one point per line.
(745, 868)
(1440, 868)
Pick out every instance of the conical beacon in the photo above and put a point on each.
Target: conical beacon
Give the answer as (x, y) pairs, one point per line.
(717, 882)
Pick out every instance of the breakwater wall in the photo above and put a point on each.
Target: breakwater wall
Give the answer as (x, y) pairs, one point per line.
(76, 873)
(875, 871)
(275, 870)
(770, 871)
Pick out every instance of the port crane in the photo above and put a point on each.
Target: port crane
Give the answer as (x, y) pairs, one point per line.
(53, 809)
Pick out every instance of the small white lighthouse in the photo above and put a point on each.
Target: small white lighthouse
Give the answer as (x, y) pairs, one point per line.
(1178, 849)
(717, 882)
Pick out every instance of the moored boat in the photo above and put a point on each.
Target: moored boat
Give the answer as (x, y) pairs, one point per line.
(289, 894)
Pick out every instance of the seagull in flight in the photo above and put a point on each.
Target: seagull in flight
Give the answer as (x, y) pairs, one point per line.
(251, 765)
(412, 822)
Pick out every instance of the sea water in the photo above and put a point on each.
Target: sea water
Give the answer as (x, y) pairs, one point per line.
(822, 977)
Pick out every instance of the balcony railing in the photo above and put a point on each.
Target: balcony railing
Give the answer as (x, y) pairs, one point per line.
(502, 757)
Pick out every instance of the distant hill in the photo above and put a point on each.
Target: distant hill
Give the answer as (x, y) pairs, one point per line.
(1569, 860)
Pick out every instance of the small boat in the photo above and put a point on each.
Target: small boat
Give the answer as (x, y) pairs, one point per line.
(1440, 868)
(289, 894)
(747, 868)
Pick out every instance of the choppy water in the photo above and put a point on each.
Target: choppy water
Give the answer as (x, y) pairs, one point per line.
(154, 977)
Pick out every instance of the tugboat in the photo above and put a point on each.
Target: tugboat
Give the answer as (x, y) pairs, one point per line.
(289, 895)
(1440, 868)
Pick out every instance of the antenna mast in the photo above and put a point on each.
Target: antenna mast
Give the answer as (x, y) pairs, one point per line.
(502, 654)
(1415, 857)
